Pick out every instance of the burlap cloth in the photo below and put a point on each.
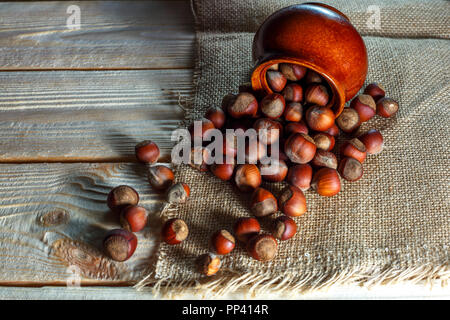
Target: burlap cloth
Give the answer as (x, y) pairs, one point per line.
(394, 223)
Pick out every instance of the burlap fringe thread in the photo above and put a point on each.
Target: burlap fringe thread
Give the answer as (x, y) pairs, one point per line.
(254, 284)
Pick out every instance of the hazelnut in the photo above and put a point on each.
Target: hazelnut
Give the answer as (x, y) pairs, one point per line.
(293, 92)
(292, 72)
(387, 107)
(313, 77)
(317, 94)
(276, 80)
(293, 112)
(147, 151)
(205, 131)
(292, 201)
(208, 264)
(120, 244)
(174, 231)
(375, 90)
(160, 177)
(222, 242)
(247, 177)
(199, 158)
(326, 182)
(324, 141)
(263, 203)
(246, 228)
(223, 171)
(348, 120)
(263, 247)
(178, 193)
(216, 116)
(350, 169)
(244, 104)
(275, 171)
(255, 151)
(300, 148)
(272, 129)
(272, 105)
(300, 176)
(295, 127)
(365, 106)
(325, 159)
(373, 141)
(319, 118)
(284, 228)
(230, 145)
(333, 131)
(354, 149)
(133, 218)
(121, 197)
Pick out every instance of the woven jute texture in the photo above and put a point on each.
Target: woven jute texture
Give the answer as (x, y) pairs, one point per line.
(394, 223)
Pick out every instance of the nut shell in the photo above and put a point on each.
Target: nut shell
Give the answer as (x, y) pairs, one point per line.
(300, 176)
(222, 242)
(174, 231)
(133, 218)
(350, 169)
(160, 177)
(120, 244)
(292, 201)
(208, 264)
(300, 148)
(326, 182)
(147, 152)
(246, 228)
(373, 141)
(121, 197)
(284, 228)
(247, 177)
(263, 203)
(263, 247)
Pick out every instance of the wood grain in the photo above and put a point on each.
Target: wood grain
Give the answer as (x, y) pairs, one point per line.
(89, 115)
(31, 252)
(113, 35)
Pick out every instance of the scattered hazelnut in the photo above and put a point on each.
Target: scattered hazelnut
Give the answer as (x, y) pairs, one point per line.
(317, 94)
(324, 158)
(375, 90)
(324, 141)
(326, 182)
(178, 193)
(121, 197)
(387, 107)
(295, 127)
(292, 201)
(244, 104)
(300, 176)
(133, 218)
(208, 264)
(174, 231)
(293, 112)
(275, 171)
(199, 158)
(350, 169)
(276, 80)
(205, 131)
(147, 151)
(284, 228)
(272, 105)
(222, 242)
(333, 131)
(319, 118)
(247, 177)
(160, 177)
(293, 92)
(365, 106)
(246, 228)
(263, 203)
(354, 149)
(373, 141)
(300, 148)
(273, 130)
(216, 116)
(263, 247)
(223, 171)
(292, 72)
(255, 151)
(120, 244)
(348, 120)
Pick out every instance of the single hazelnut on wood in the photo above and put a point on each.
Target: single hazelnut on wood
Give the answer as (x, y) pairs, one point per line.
(133, 218)
(292, 72)
(275, 171)
(160, 177)
(244, 104)
(324, 141)
(147, 151)
(350, 169)
(247, 177)
(293, 92)
(293, 112)
(319, 118)
(120, 244)
(326, 182)
(365, 106)
(246, 228)
(317, 94)
(205, 131)
(348, 120)
(295, 127)
(208, 264)
(121, 197)
(292, 201)
(373, 141)
(354, 149)
(174, 231)
(276, 80)
(199, 158)
(387, 107)
(375, 90)
(223, 171)
(263, 203)
(178, 193)
(268, 130)
(216, 116)
(300, 176)
(272, 105)
(222, 242)
(313, 77)
(263, 247)
(284, 228)
(300, 148)
(333, 130)
(324, 158)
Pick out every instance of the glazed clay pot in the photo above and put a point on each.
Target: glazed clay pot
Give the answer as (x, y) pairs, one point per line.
(318, 37)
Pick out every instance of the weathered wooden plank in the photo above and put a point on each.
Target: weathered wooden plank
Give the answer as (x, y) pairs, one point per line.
(88, 115)
(113, 35)
(29, 193)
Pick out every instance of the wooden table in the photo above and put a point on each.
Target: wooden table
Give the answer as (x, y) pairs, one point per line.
(73, 105)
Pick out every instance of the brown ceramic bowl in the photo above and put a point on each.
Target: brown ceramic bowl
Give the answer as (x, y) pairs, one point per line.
(318, 37)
